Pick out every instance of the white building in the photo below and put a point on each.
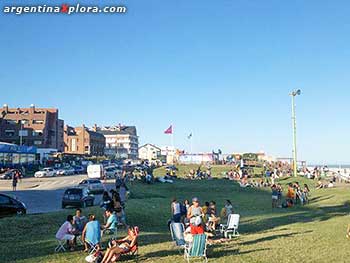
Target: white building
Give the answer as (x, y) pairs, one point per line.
(149, 152)
(121, 141)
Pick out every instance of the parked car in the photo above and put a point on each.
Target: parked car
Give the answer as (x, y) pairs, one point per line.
(46, 172)
(110, 172)
(94, 185)
(79, 169)
(11, 206)
(66, 171)
(9, 174)
(77, 197)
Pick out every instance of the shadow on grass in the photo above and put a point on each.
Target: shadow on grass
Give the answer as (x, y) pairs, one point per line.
(269, 238)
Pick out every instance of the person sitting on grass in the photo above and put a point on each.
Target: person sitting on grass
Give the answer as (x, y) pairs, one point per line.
(205, 212)
(226, 210)
(112, 222)
(213, 219)
(320, 185)
(306, 193)
(66, 232)
(92, 233)
(118, 247)
(79, 220)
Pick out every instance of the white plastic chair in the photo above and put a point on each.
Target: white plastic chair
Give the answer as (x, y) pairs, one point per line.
(231, 228)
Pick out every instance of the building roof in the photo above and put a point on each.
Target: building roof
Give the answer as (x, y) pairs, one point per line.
(150, 145)
(114, 130)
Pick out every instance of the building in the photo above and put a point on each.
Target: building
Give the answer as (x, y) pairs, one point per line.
(32, 126)
(170, 154)
(149, 152)
(12, 155)
(81, 140)
(121, 141)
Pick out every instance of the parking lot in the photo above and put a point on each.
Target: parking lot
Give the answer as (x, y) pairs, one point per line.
(44, 194)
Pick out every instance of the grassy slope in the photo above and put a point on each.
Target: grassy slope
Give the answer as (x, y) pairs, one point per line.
(314, 233)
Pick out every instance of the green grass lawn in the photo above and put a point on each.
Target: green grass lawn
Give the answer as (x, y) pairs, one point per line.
(313, 233)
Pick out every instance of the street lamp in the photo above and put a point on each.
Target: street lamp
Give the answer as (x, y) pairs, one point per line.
(293, 94)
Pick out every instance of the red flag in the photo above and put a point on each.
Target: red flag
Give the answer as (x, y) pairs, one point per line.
(169, 130)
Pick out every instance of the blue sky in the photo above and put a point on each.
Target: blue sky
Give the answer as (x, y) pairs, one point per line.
(222, 70)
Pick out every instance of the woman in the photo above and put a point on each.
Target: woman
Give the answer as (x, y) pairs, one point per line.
(118, 209)
(106, 201)
(213, 219)
(92, 233)
(121, 246)
(227, 210)
(194, 214)
(14, 181)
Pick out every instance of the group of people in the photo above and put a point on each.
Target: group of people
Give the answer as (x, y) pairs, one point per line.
(90, 231)
(199, 174)
(199, 219)
(296, 194)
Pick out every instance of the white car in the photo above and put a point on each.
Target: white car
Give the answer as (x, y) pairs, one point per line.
(66, 171)
(93, 185)
(46, 172)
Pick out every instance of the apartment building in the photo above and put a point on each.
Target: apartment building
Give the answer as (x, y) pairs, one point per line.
(40, 127)
(121, 141)
(83, 141)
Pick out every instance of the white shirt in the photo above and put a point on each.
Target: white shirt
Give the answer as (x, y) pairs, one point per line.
(176, 208)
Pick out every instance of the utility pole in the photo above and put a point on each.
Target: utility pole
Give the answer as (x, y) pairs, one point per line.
(293, 94)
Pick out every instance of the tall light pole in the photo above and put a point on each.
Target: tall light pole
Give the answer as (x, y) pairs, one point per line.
(293, 94)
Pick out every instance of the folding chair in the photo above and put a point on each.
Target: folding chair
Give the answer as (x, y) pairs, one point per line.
(198, 248)
(231, 228)
(92, 247)
(60, 245)
(177, 235)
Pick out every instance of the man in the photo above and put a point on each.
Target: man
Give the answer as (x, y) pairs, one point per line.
(66, 232)
(111, 225)
(195, 214)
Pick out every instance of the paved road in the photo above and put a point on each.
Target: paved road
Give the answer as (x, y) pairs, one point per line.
(43, 195)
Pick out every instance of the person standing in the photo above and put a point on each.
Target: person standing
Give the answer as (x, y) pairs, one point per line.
(175, 211)
(14, 181)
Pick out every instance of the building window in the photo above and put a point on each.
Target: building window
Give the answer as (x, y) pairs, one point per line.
(23, 133)
(37, 133)
(9, 133)
(38, 142)
(38, 121)
(11, 122)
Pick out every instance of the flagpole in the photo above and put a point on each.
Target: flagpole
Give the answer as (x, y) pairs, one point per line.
(191, 142)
